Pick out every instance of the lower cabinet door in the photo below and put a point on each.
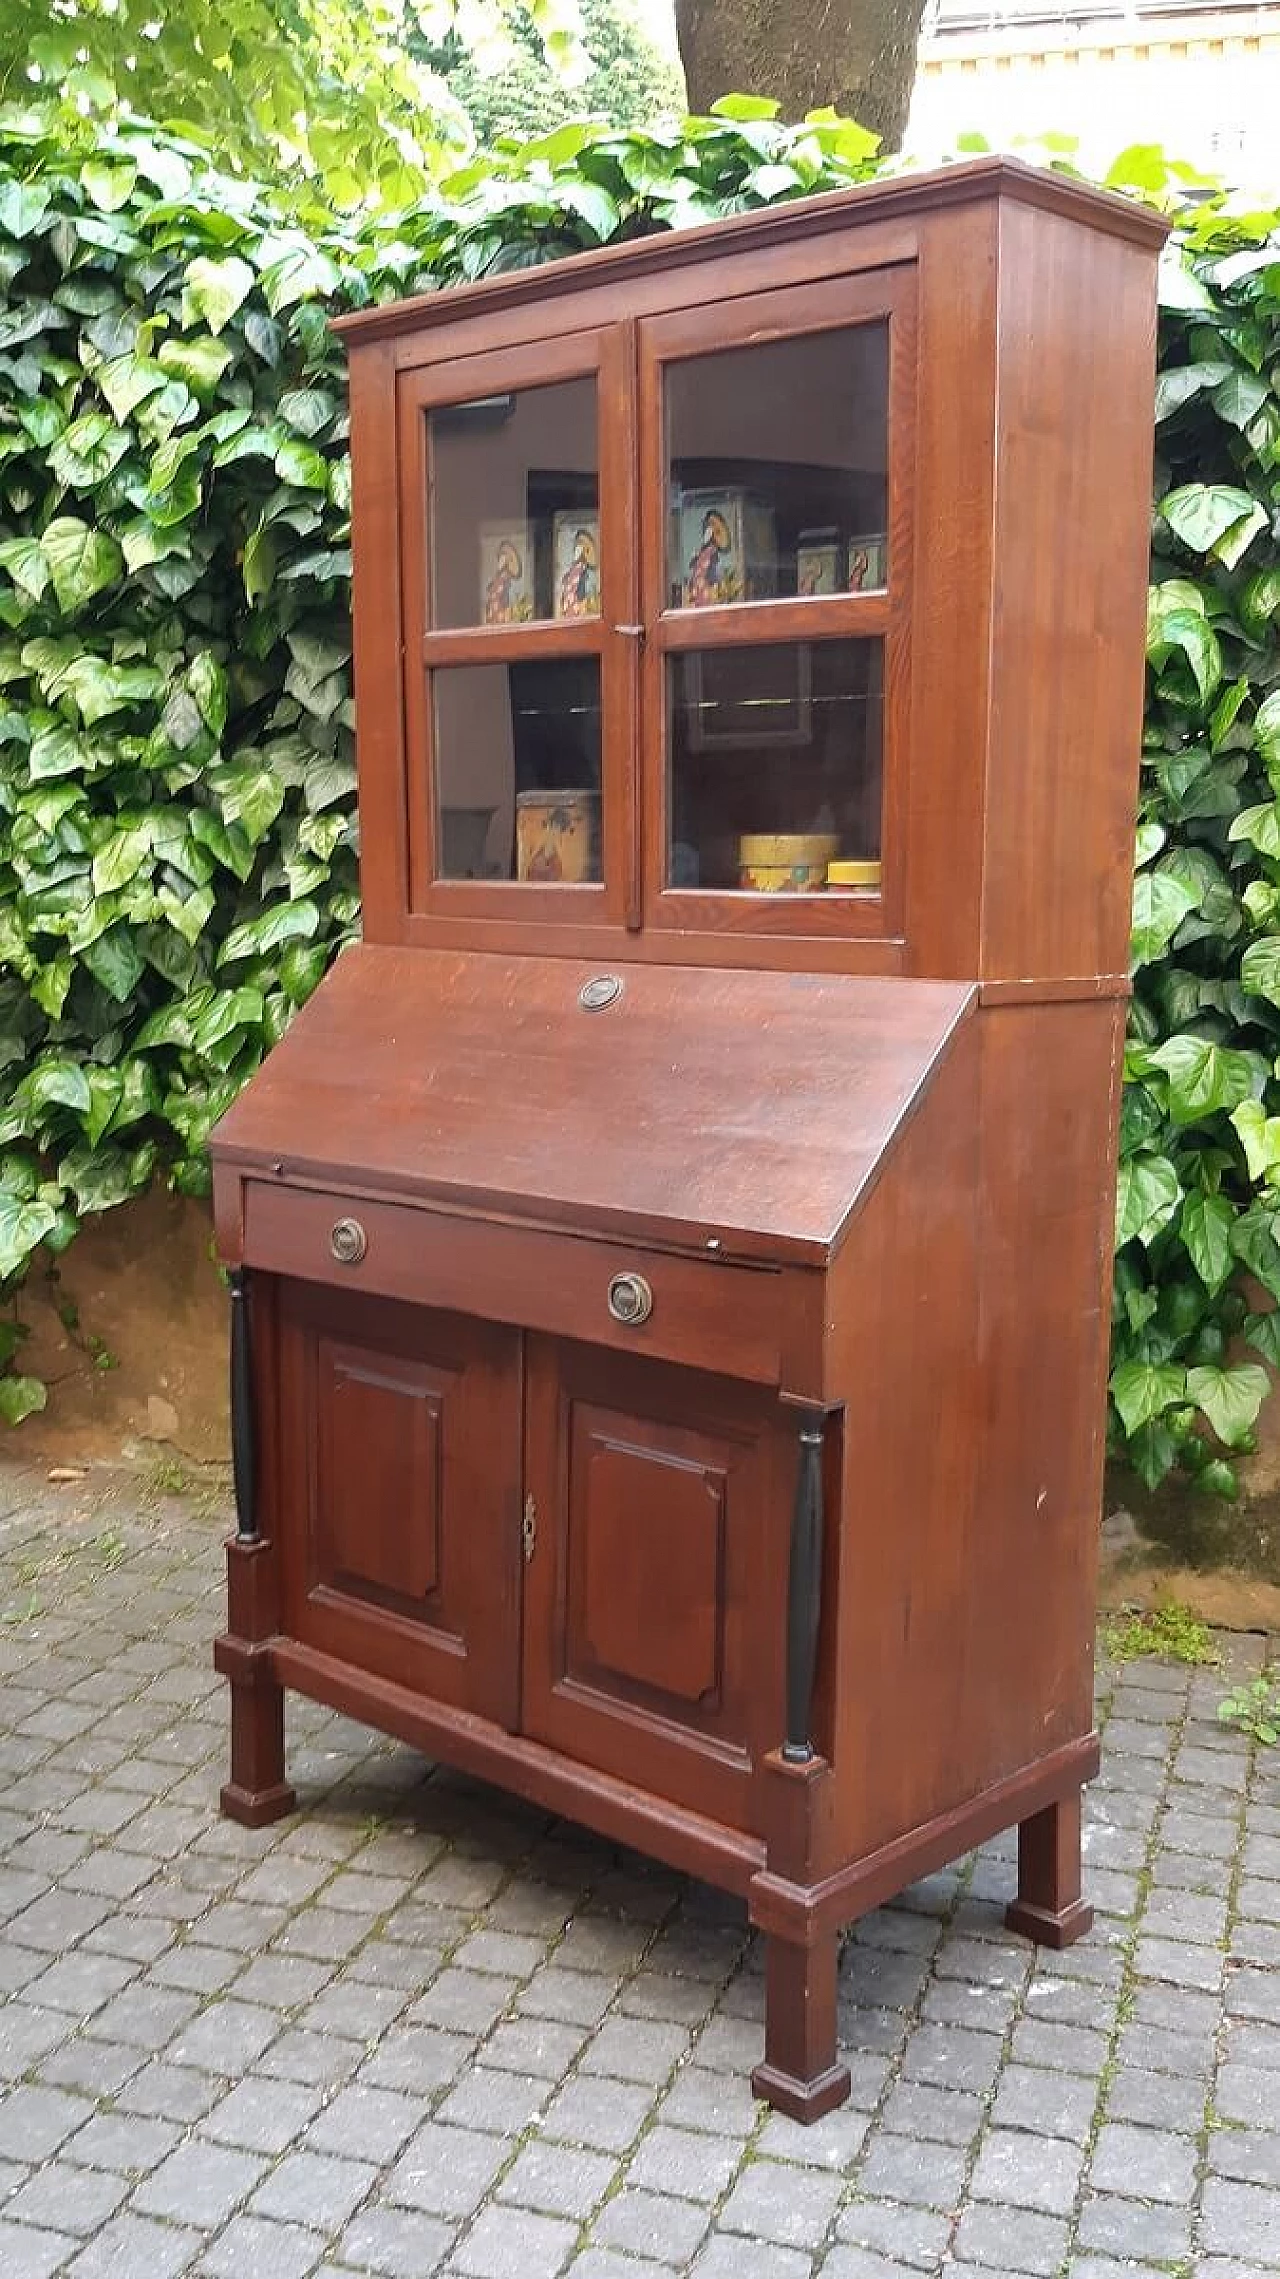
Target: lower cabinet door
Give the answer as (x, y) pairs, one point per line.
(656, 1585)
(397, 1480)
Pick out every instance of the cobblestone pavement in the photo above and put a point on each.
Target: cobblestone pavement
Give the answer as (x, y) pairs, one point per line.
(420, 2028)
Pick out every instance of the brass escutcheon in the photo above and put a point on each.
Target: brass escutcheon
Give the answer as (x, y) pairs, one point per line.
(630, 1299)
(348, 1241)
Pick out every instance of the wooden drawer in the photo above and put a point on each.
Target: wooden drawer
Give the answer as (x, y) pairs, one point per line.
(734, 1320)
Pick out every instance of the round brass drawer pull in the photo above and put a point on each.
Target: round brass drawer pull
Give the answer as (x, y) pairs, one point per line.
(630, 1299)
(348, 1241)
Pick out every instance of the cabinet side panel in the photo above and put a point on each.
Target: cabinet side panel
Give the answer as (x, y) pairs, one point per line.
(975, 1425)
(379, 690)
(1073, 511)
(904, 1359)
(951, 590)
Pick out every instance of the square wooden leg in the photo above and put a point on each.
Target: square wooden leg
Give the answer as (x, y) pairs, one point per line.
(801, 2074)
(257, 1791)
(1049, 1908)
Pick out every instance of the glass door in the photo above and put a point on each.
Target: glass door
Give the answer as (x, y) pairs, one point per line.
(776, 544)
(521, 651)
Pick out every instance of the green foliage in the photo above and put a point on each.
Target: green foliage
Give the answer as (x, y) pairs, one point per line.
(177, 859)
(326, 89)
(1167, 1633)
(177, 843)
(1255, 1709)
(1198, 1208)
(627, 80)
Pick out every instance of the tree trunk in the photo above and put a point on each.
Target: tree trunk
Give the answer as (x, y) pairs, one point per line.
(859, 55)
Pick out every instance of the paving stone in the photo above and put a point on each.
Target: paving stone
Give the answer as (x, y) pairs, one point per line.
(1048, 2104)
(28, 2254)
(314, 2188)
(833, 2142)
(1157, 2100)
(607, 2115)
(445, 2172)
(913, 2236)
(408, 2246)
(509, 2243)
(923, 2174)
(1144, 2164)
(558, 2180)
(605, 2263)
(133, 2247)
(199, 2183)
(1131, 2228)
(34, 2121)
(863, 2263)
(949, 2116)
(948, 2057)
(1010, 2240)
(503, 2102)
(635, 2049)
(1240, 2220)
(1023, 2171)
(774, 2201)
(416, 2058)
(66, 2199)
(125, 2142)
(649, 2224)
(725, 2257)
(683, 2162)
(251, 2249)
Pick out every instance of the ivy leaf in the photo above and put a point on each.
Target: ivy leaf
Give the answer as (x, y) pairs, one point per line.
(1160, 903)
(1258, 602)
(115, 961)
(250, 794)
(1230, 1398)
(119, 861)
(81, 561)
(21, 1397)
(301, 463)
(1266, 732)
(1214, 519)
(1261, 827)
(23, 206)
(1204, 1077)
(1253, 1239)
(199, 362)
(1144, 1390)
(24, 559)
(23, 1227)
(214, 290)
(1148, 1192)
(1260, 969)
(1205, 1227)
(284, 922)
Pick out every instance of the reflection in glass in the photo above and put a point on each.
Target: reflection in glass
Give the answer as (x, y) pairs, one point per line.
(766, 503)
(774, 767)
(514, 507)
(518, 771)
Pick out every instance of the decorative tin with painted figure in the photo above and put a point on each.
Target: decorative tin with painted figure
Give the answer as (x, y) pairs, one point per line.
(818, 561)
(575, 554)
(726, 549)
(866, 563)
(558, 837)
(506, 573)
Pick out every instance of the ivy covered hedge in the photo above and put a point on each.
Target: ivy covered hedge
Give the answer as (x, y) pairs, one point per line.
(177, 858)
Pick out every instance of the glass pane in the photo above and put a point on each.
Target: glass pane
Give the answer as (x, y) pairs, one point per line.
(776, 462)
(518, 771)
(514, 507)
(774, 767)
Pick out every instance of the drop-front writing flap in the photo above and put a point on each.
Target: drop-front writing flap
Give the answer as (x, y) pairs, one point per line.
(683, 1106)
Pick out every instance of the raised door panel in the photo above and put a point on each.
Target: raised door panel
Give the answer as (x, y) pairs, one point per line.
(655, 1590)
(400, 1484)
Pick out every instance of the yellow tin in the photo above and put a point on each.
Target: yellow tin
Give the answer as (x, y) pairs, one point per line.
(849, 874)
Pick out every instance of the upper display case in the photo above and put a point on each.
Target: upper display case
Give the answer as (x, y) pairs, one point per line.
(676, 588)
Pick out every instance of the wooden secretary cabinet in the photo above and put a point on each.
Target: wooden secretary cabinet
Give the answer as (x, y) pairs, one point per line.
(671, 1253)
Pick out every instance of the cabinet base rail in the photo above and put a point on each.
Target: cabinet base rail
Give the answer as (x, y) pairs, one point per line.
(801, 2072)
